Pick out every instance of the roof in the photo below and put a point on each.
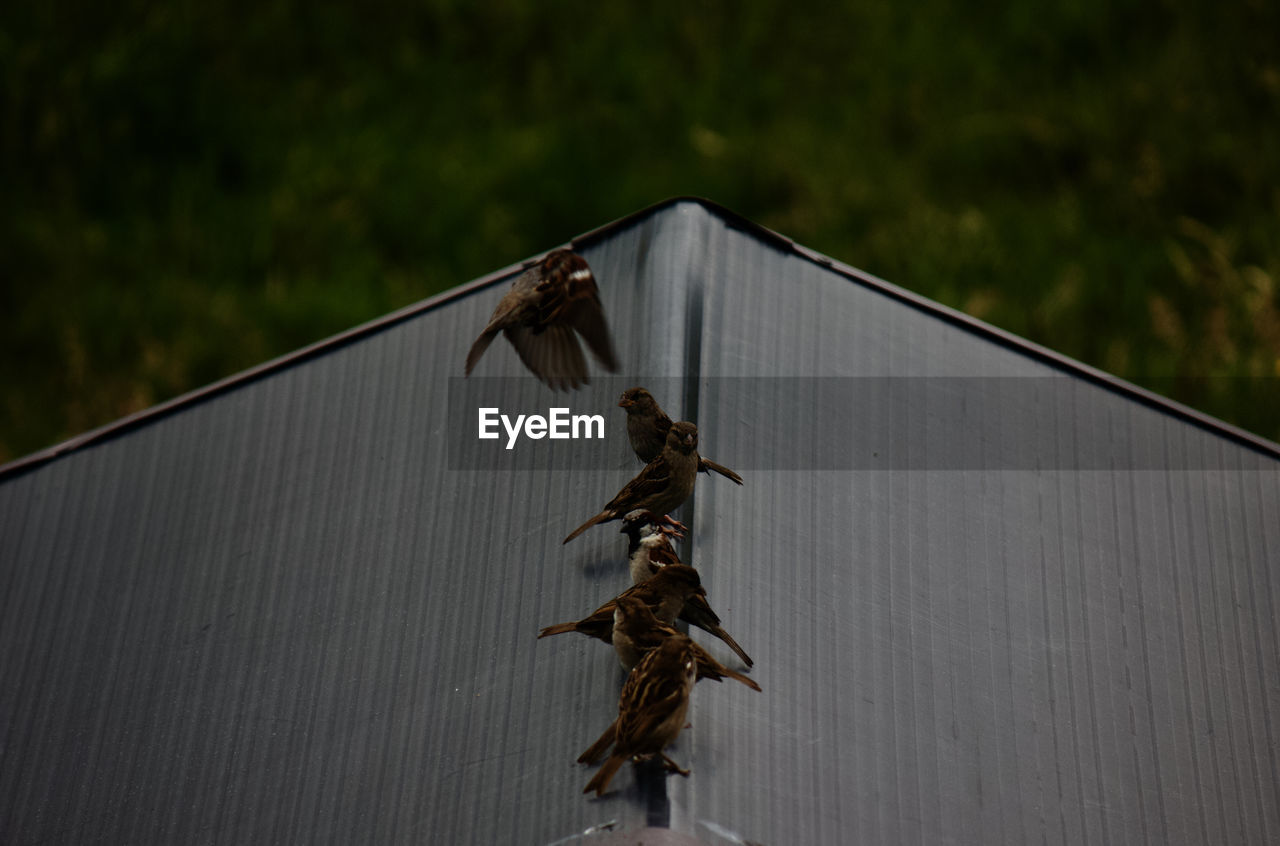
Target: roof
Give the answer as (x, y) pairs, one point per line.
(992, 595)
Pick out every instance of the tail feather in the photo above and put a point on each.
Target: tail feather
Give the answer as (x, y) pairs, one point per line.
(478, 348)
(558, 628)
(602, 744)
(707, 465)
(602, 517)
(600, 781)
(710, 668)
(731, 643)
(736, 676)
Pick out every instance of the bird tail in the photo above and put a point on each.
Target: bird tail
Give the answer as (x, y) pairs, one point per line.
(710, 668)
(595, 750)
(478, 348)
(558, 628)
(736, 676)
(707, 465)
(731, 643)
(600, 781)
(602, 517)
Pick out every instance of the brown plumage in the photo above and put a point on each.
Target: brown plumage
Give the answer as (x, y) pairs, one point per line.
(647, 427)
(545, 306)
(649, 546)
(664, 595)
(651, 710)
(662, 486)
(649, 550)
(636, 632)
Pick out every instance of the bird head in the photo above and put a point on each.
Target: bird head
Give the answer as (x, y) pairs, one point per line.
(636, 401)
(683, 437)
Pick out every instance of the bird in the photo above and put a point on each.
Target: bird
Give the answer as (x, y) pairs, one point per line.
(651, 710)
(539, 315)
(648, 544)
(647, 427)
(649, 550)
(662, 486)
(636, 632)
(665, 595)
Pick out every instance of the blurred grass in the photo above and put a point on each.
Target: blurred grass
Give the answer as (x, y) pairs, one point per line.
(190, 190)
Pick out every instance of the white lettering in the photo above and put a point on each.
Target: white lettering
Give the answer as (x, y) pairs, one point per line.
(512, 431)
(559, 424)
(488, 421)
(587, 420)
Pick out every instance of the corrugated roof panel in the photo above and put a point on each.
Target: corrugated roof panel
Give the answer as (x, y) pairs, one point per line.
(991, 596)
(274, 616)
(991, 653)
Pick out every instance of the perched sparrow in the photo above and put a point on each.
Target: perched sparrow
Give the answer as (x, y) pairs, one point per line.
(648, 552)
(648, 544)
(662, 486)
(539, 314)
(651, 709)
(647, 427)
(665, 595)
(636, 632)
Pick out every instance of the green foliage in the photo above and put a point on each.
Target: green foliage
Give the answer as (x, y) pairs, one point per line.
(192, 189)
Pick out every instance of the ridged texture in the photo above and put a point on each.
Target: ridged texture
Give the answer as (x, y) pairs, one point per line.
(981, 655)
(278, 616)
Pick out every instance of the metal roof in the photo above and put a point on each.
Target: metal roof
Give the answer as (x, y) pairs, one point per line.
(992, 595)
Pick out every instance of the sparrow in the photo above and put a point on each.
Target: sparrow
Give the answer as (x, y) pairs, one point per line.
(647, 427)
(651, 710)
(662, 486)
(649, 551)
(539, 315)
(648, 544)
(636, 632)
(665, 595)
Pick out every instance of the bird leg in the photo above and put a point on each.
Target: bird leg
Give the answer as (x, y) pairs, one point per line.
(669, 526)
(670, 531)
(672, 767)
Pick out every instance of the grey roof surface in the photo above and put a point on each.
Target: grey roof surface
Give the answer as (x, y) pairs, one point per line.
(992, 595)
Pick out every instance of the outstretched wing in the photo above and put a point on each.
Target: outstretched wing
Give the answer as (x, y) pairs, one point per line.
(553, 355)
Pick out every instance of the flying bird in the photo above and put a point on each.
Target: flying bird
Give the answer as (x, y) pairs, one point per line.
(545, 306)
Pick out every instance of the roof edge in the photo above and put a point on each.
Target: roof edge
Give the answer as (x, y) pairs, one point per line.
(734, 220)
(1007, 339)
(147, 415)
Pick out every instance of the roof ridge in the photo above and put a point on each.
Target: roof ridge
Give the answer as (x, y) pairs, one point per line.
(733, 220)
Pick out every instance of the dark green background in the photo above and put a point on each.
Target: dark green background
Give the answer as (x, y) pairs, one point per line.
(191, 189)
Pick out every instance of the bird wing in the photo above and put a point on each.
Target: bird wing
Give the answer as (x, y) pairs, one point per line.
(649, 482)
(552, 354)
(586, 315)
